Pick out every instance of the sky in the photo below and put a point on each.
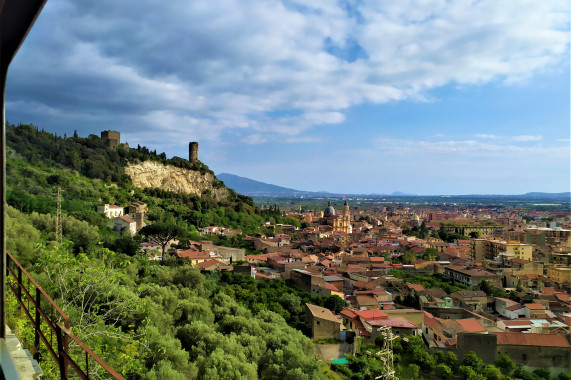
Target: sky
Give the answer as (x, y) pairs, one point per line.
(351, 96)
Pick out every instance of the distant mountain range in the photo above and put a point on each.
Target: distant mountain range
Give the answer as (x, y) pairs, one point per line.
(254, 188)
(251, 187)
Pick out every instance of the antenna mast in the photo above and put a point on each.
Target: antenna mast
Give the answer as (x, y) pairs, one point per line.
(386, 354)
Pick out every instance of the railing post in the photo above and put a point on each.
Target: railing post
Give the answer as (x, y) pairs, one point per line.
(20, 285)
(61, 358)
(37, 325)
(65, 342)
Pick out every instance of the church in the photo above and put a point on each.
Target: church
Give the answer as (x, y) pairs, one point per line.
(339, 223)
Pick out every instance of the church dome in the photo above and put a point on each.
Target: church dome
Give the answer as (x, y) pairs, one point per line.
(329, 211)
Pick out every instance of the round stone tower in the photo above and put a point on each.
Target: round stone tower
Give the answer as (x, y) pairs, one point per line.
(193, 152)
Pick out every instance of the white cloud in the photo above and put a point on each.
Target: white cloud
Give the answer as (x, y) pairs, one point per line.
(468, 148)
(203, 68)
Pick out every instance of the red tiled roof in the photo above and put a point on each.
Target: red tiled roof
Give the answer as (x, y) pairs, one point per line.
(370, 314)
(470, 325)
(523, 339)
(127, 219)
(416, 287)
(534, 306)
(190, 254)
(208, 263)
(563, 297)
(393, 322)
(514, 307)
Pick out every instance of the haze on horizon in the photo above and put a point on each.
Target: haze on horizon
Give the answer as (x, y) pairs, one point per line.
(429, 97)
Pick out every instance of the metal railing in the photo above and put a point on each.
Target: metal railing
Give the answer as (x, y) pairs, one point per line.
(30, 297)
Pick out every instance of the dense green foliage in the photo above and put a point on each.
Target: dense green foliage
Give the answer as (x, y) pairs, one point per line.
(279, 296)
(153, 321)
(436, 280)
(88, 173)
(147, 319)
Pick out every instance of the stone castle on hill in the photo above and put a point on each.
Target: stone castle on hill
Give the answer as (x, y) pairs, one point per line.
(112, 139)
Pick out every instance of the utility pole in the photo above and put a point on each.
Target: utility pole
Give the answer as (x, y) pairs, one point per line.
(386, 354)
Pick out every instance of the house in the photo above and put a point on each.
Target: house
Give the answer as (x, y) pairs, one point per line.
(471, 276)
(533, 309)
(501, 304)
(213, 265)
(193, 256)
(443, 333)
(535, 326)
(324, 324)
(470, 299)
(110, 211)
(122, 224)
(368, 323)
(325, 290)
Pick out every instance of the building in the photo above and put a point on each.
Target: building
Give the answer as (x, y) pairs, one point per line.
(111, 139)
(473, 300)
(324, 324)
(193, 152)
(339, 223)
(559, 273)
(110, 211)
(122, 224)
(483, 230)
(485, 249)
(472, 276)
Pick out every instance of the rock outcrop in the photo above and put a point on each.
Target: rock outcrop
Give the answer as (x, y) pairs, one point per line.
(167, 177)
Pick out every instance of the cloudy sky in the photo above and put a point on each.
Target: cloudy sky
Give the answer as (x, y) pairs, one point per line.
(358, 96)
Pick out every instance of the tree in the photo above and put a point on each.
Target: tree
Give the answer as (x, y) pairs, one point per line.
(505, 364)
(413, 369)
(491, 372)
(335, 303)
(443, 371)
(161, 233)
(474, 234)
(472, 360)
(409, 257)
(451, 360)
(542, 373)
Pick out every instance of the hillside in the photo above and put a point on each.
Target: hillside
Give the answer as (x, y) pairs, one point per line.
(89, 173)
(171, 178)
(147, 319)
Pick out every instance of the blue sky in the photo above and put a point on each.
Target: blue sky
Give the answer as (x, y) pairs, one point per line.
(354, 96)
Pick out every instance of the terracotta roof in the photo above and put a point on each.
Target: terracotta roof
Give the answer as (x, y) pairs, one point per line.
(415, 287)
(517, 306)
(208, 263)
(127, 219)
(534, 306)
(393, 322)
(370, 314)
(322, 313)
(523, 339)
(471, 325)
(190, 254)
(366, 300)
(563, 297)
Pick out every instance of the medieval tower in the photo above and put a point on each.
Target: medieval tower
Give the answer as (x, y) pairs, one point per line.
(111, 139)
(193, 151)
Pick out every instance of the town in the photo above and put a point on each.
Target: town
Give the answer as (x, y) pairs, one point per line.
(493, 281)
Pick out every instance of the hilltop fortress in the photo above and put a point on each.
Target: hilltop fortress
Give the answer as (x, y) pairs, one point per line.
(112, 139)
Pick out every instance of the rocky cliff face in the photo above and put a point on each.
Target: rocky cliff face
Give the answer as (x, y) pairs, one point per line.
(166, 177)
